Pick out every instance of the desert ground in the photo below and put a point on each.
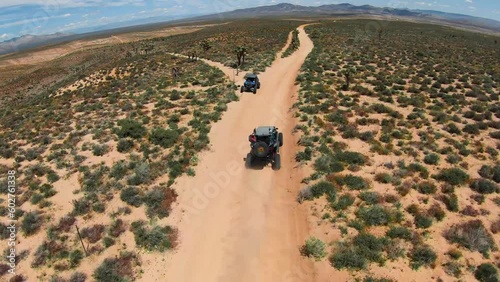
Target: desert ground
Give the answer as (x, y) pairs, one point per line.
(389, 165)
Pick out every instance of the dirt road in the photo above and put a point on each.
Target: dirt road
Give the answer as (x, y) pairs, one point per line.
(237, 224)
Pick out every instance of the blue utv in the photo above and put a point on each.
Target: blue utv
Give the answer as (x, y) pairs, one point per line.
(251, 83)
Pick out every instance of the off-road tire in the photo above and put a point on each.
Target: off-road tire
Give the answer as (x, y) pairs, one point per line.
(277, 162)
(254, 91)
(248, 161)
(241, 89)
(280, 139)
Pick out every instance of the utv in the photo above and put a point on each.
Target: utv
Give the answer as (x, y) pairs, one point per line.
(265, 143)
(251, 83)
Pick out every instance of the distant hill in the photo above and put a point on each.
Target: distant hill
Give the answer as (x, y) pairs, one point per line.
(278, 10)
(286, 9)
(30, 41)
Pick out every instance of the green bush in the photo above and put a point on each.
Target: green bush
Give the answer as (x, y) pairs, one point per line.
(370, 197)
(348, 257)
(451, 202)
(369, 246)
(124, 145)
(352, 182)
(142, 174)
(352, 158)
(453, 176)
(416, 167)
(344, 201)
(118, 170)
(32, 221)
(471, 129)
(159, 201)
(165, 138)
(314, 247)
(324, 187)
(132, 196)
(108, 242)
(99, 150)
(422, 221)
(426, 187)
(400, 232)
(78, 277)
(484, 186)
(486, 272)
(75, 257)
(375, 215)
(431, 159)
(422, 256)
(154, 239)
(130, 128)
(116, 269)
(326, 164)
(383, 178)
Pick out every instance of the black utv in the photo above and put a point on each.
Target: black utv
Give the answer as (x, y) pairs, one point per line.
(251, 83)
(265, 143)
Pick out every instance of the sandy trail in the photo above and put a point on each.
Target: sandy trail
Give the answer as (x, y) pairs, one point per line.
(237, 224)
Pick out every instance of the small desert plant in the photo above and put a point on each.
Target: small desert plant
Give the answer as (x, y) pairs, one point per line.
(343, 202)
(78, 277)
(132, 196)
(422, 256)
(153, 239)
(400, 232)
(130, 128)
(486, 272)
(383, 177)
(453, 176)
(314, 247)
(484, 186)
(471, 235)
(32, 221)
(431, 159)
(165, 138)
(124, 145)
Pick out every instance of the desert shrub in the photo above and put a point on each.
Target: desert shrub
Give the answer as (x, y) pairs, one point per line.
(471, 129)
(486, 272)
(495, 227)
(165, 138)
(369, 246)
(484, 186)
(118, 170)
(344, 201)
(314, 247)
(130, 128)
(436, 211)
(153, 239)
(132, 196)
(431, 159)
(400, 232)
(352, 182)
(453, 176)
(426, 187)
(470, 211)
(32, 221)
(116, 228)
(416, 167)
(451, 202)
(326, 164)
(99, 150)
(108, 242)
(422, 256)
(78, 277)
(142, 174)
(347, 257)
(423, 221)
(371, 197)
(383, 177)
(124, 145)
(75, 257)
(116, 269)
(93, 233)
(471, 235)
(324, 187)
(352, 158)
(453, 158)
(159, 201)
(376, 215)
(495, 134)
(453, 129)
(453, 268)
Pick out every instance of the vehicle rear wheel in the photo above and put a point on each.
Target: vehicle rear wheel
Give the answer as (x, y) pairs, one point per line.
(254, 90)
(241, 89)
(248, 161)
(280, 138)
(277, 162)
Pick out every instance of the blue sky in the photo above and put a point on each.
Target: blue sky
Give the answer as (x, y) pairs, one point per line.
(19, 17)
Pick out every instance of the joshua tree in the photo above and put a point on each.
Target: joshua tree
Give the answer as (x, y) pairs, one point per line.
(147, 47)
(348, 73)
(205, 45)
(240, 54)
(175, 72)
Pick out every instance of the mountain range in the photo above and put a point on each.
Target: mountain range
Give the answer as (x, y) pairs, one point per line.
(278, 10)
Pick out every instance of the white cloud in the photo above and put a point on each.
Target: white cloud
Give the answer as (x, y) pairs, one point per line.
(469, 1)
(58, 4)
(67, 15)
(32, 22)
(3, 36)
(472, 8)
